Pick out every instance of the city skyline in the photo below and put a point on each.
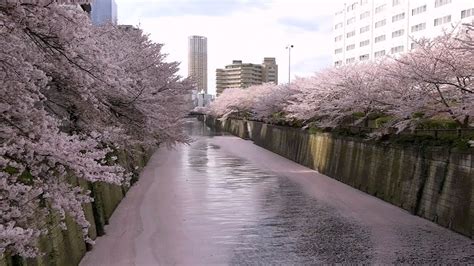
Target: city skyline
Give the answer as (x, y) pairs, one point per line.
(238, 29)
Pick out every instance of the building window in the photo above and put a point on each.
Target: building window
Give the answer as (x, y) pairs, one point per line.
(338, 38)
(351, 20)
(396, 2)
(338, 51)
(467, 13)
(352, 7)
(413, 45)
(338, 63)
(443, 20)
(398, 17)
(364, 43)
(350, 47)
(380, 23)
(379, 53)
(350, 60)
(380, 8)
(418, 10)
(338, 25)
(398, 33)
(363, 2)
(418, 27)
(364, 57)
(366, 14)
(365, 29)
(396, 49)
(441, 2)
(350, 34)
(380, 38)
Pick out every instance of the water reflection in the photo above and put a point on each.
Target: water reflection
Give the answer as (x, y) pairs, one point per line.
(260, 217)
(201, 205)
(196, 128)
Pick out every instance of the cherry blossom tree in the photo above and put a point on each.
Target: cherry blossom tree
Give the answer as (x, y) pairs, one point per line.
(434, 80)
(329, 97)
(260, 102)
(440, 73)
(270, 101)
(71, 95)
(232, 102)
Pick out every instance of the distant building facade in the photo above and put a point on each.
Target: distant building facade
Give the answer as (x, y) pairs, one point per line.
(269, 70)
(197, 61)
(200, 99)
(103, 12)
(371, 29)
(243, 75)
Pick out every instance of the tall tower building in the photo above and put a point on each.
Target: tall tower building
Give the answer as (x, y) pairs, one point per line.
(103, 11)
(197, 61)
(371, 29)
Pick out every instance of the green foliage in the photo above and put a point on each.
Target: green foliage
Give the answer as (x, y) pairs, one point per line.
(358, 114)
(427, 140)
(111, 157)
(313, 130)
(347, 132)
(461, 144)
(26, 178)
(295, 123)
(375, 115)
(381, 121)
(289, 123)
(439, 123)
(10, 170)
(278, 115)
(418, 115)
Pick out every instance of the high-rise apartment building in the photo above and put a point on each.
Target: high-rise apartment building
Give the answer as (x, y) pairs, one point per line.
(369, 29)
(269, 70)
(197, 61)
(243, 75)
(103, 11)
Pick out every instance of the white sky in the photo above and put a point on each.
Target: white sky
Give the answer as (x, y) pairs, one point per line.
(247, 30)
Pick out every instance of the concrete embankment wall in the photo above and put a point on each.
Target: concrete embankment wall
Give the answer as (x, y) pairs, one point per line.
(67, 247)
(436, 183)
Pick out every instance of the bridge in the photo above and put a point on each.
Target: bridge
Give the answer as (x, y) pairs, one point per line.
(224, 200)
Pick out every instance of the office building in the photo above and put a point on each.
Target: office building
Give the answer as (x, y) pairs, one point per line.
(197, 61)
(243, 75)
(371, 29)
(103, 12)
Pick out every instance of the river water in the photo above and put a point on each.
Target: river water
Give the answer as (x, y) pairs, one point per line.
(223, 200)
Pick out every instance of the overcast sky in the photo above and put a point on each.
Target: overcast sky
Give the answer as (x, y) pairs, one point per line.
(247, 30)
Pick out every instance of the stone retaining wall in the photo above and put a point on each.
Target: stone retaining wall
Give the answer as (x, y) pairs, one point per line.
(67, 247)
(435, 183)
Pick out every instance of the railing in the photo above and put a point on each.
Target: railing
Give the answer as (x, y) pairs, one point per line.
(458, 132)
(436, 133)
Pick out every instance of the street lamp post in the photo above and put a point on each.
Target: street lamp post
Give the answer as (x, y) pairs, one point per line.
(289, 46)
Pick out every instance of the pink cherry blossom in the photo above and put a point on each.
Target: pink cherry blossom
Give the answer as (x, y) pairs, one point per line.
(72, 95)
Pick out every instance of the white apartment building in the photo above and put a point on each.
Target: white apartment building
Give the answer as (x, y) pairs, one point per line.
(368, 29)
